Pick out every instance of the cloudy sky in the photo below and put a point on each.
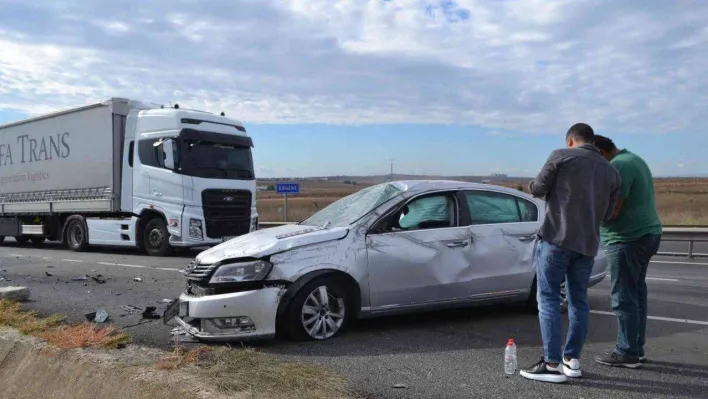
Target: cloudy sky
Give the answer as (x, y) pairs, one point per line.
(340, 87)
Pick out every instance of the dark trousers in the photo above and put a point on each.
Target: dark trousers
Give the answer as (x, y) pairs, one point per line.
(628, 263)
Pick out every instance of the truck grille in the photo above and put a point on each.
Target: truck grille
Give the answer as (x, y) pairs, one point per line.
(227, 212)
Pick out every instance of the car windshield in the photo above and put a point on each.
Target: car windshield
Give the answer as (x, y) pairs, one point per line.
(351, 208)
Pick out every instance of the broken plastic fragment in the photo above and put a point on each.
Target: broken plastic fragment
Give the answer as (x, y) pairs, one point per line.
(98, 279)
(101, 316)
(138, 279)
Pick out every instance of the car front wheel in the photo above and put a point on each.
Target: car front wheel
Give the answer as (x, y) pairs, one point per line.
(320, 310)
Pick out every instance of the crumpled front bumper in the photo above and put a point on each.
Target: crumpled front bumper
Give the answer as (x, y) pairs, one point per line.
(207, 318)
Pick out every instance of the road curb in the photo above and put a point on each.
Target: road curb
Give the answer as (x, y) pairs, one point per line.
(17, 294)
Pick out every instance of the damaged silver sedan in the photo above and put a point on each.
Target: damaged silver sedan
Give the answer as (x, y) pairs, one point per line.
(391, 248)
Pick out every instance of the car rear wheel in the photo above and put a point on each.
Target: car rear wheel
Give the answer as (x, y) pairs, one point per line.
(320, 310)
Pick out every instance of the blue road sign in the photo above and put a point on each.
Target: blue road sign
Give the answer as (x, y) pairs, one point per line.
(287, 188)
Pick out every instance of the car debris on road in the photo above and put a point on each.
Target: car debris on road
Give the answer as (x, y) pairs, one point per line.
(99, 316)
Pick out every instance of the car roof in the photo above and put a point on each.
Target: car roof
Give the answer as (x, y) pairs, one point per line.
(419, 186)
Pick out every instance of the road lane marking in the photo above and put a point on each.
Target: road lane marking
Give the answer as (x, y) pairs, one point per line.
(122, 264)
(675, 262)
(72, 260)
(169, 269)
(662, 279)
(685, 321)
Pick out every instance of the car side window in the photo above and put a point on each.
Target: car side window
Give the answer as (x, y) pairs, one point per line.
(487, 207)
(431, 212)
(529, 211)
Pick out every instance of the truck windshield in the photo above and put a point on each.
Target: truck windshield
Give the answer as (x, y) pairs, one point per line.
(217, 160)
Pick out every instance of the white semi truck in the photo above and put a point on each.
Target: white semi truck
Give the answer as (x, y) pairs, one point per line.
(127, 173)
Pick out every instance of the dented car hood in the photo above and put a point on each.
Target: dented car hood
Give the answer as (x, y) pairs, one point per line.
(270, 241)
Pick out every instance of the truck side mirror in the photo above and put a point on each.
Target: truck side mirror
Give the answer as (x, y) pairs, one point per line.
(168, 151)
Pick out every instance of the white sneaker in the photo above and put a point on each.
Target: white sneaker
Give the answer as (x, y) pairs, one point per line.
(571, 368)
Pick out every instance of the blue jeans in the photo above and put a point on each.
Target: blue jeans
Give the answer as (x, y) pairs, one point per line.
(628, 263)
(554, 265)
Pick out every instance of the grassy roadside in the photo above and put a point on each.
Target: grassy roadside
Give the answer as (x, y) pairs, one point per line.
(230, 372)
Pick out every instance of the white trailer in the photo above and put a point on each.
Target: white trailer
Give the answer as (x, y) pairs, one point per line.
(127, 173)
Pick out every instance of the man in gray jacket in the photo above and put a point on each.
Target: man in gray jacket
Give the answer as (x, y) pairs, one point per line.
(581, 189)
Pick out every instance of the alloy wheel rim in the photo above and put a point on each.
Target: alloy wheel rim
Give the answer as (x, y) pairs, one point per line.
(322, 314)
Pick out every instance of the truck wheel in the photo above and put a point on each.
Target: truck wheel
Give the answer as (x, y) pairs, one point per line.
(320, 310)
(21, 239)
(38, 240)
(156, 238)
(77, 234)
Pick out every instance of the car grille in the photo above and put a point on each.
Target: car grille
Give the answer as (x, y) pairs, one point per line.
(200, 272)
(227, 212)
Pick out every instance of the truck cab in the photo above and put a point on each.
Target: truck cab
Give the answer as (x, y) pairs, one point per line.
(193, 168)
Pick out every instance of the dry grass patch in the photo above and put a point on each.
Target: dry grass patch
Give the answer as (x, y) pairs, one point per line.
(238, 373)
(63, 336)
(181, 357)
(246, 371)
(85, 335)
(26, 322)
(681, 202)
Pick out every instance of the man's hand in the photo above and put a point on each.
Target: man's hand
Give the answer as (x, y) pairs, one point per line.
(546, 179)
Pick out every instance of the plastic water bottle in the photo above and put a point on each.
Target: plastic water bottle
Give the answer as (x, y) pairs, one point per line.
(510, 357)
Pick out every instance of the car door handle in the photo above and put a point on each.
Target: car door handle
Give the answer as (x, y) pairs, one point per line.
(527, 238)
(157, 194)
(457, 244)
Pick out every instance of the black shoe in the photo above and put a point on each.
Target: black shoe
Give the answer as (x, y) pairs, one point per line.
(614, 359)
(541, 371)
(643, 359)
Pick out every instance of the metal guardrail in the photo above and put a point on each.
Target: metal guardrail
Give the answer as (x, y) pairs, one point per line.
(689, 235)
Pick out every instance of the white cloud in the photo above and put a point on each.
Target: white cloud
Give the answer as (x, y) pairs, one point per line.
(533, 65)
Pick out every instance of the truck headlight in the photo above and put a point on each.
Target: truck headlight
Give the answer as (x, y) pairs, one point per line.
(240, 272)
(195, 229)
(254, 223)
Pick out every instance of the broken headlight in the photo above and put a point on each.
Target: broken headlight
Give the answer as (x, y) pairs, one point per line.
(241, 272)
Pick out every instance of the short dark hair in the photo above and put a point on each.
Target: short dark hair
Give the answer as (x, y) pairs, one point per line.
(604, 143)
(581, 132)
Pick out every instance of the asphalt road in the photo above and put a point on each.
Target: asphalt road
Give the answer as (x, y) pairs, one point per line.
(449, 354)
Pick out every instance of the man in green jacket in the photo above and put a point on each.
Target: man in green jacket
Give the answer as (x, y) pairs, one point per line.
(631, 238)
